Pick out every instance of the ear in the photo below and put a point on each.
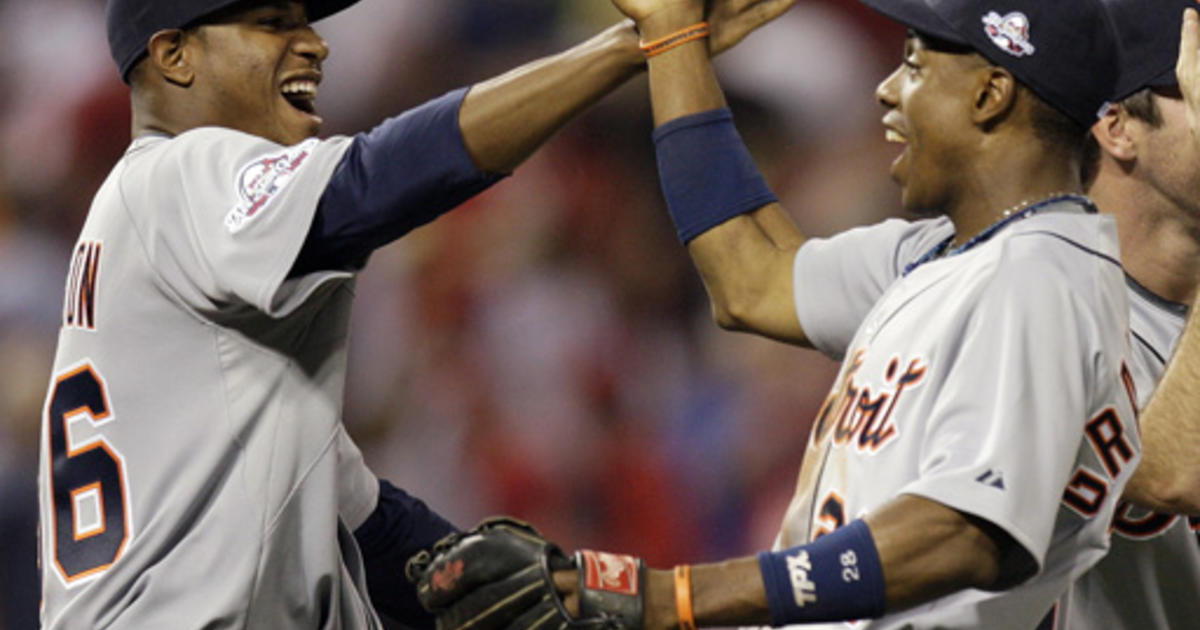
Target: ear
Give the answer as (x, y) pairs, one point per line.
(995, 96)
(169, 58)
(1112, 133)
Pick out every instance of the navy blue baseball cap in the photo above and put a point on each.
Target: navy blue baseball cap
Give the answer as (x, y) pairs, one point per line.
(131, 23)
(1149, 33)
(1066, 51)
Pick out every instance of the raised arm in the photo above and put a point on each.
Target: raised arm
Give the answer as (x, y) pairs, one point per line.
(746, 243)
(506, 118)
(1168, 477)
(451, 148)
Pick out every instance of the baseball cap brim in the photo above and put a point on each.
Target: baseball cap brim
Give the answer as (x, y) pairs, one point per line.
(917, 15)
(1166, 79)
(131, 23)
(321, 9)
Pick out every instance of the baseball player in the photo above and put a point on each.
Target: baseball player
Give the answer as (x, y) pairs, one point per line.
(1169, 482)
(1145, 167)
(967, 463)
(194, 468)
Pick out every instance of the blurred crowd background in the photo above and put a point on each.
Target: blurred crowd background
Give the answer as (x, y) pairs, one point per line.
(545, 351)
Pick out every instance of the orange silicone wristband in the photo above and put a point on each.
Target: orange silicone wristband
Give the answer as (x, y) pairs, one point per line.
(683, 597)
(678, 38)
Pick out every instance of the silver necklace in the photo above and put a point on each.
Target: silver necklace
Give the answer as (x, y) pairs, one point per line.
(1015, 213)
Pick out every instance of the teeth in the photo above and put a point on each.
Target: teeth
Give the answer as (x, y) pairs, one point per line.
(894, 136)
(308, 88)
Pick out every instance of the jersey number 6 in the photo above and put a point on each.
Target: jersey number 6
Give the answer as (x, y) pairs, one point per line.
(90, 523)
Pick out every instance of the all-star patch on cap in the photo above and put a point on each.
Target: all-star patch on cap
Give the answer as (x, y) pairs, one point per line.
(1066, 51)
(1149, 32)
(131, 23)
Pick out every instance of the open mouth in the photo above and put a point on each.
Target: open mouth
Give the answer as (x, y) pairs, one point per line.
(891, 135)
(301, 94)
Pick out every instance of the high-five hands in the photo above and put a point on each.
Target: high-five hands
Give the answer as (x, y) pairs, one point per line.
(730, 21)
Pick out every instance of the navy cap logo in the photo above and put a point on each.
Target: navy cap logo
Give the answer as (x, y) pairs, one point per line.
(1009, 33)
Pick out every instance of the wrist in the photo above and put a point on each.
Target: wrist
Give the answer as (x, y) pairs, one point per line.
(660, 601)
(669, 20)
(621, 44)
(838, 577)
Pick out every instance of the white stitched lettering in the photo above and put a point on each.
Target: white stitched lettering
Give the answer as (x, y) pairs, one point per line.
(803, 589)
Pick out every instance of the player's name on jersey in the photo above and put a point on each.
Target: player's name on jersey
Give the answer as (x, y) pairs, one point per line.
(79, 307)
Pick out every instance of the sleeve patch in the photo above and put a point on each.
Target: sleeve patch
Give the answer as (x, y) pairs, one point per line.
(263, 179)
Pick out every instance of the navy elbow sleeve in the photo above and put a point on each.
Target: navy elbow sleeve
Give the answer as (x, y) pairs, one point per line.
(401, 175)
(400, 526)
(706, 172)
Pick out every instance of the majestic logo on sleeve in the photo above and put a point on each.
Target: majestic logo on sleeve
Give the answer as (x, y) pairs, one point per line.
(862, 417)
(262, 180)
(1009, 33)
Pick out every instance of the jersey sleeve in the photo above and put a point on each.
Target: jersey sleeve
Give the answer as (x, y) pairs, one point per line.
(837, 280)
(223, 214)
(358, 487)
(1032, 355)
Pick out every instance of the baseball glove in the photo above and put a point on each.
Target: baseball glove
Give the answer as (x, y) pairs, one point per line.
(498, 575)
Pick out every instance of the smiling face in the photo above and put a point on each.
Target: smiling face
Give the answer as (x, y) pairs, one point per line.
(928, 98)
(257, 67)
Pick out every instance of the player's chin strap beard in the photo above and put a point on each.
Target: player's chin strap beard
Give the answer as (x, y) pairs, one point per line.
(1015, 213)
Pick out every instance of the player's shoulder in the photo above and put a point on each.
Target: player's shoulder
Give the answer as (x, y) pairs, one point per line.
(931, 230)
(200, 147)
(1069, 232)
(1062, 259)
(902, 239)
(915, 239)
(206, 160)
(1156, 322)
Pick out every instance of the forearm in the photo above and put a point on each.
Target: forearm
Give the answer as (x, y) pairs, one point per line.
(724, 594)
(746, 266)
(400, 526)
(740, 239)
(929, 551)
(1168, 478)
(916, 551)
(682, 80)
(505, 119)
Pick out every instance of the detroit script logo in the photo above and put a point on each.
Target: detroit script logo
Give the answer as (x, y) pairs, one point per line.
(857, 415)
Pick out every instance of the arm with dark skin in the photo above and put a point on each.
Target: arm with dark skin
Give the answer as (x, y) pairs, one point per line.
(746, 262)
(505, 119)
(927, 551)
(1168, 479)
(498, 124)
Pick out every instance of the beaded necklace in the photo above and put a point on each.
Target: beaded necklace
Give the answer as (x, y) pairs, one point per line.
(1020, 211)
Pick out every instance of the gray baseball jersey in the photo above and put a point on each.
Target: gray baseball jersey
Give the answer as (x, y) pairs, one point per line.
(1151, 575)
(194, 468)
(992, 381)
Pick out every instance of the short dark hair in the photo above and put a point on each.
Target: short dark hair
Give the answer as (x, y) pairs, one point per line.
(1141, 106)
(1055, 128)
